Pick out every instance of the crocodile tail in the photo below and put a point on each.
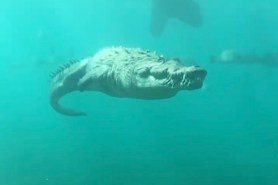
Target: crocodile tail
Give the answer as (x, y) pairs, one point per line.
(54, 102)
(63, 81)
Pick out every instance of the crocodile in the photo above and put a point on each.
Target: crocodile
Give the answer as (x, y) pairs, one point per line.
(124, 72)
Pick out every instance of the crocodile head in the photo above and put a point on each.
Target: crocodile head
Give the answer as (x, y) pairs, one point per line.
(165, 79)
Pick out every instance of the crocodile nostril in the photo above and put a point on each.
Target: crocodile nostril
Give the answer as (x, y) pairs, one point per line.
(197, 73)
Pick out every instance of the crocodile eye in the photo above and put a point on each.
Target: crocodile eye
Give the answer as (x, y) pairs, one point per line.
(144, 73)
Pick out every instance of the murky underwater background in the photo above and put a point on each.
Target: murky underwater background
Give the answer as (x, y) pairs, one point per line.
(223, 134)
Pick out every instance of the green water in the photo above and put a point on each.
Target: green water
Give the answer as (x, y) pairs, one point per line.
(223, 134)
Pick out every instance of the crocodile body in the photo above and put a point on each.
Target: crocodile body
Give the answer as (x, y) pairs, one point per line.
(124, 72)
